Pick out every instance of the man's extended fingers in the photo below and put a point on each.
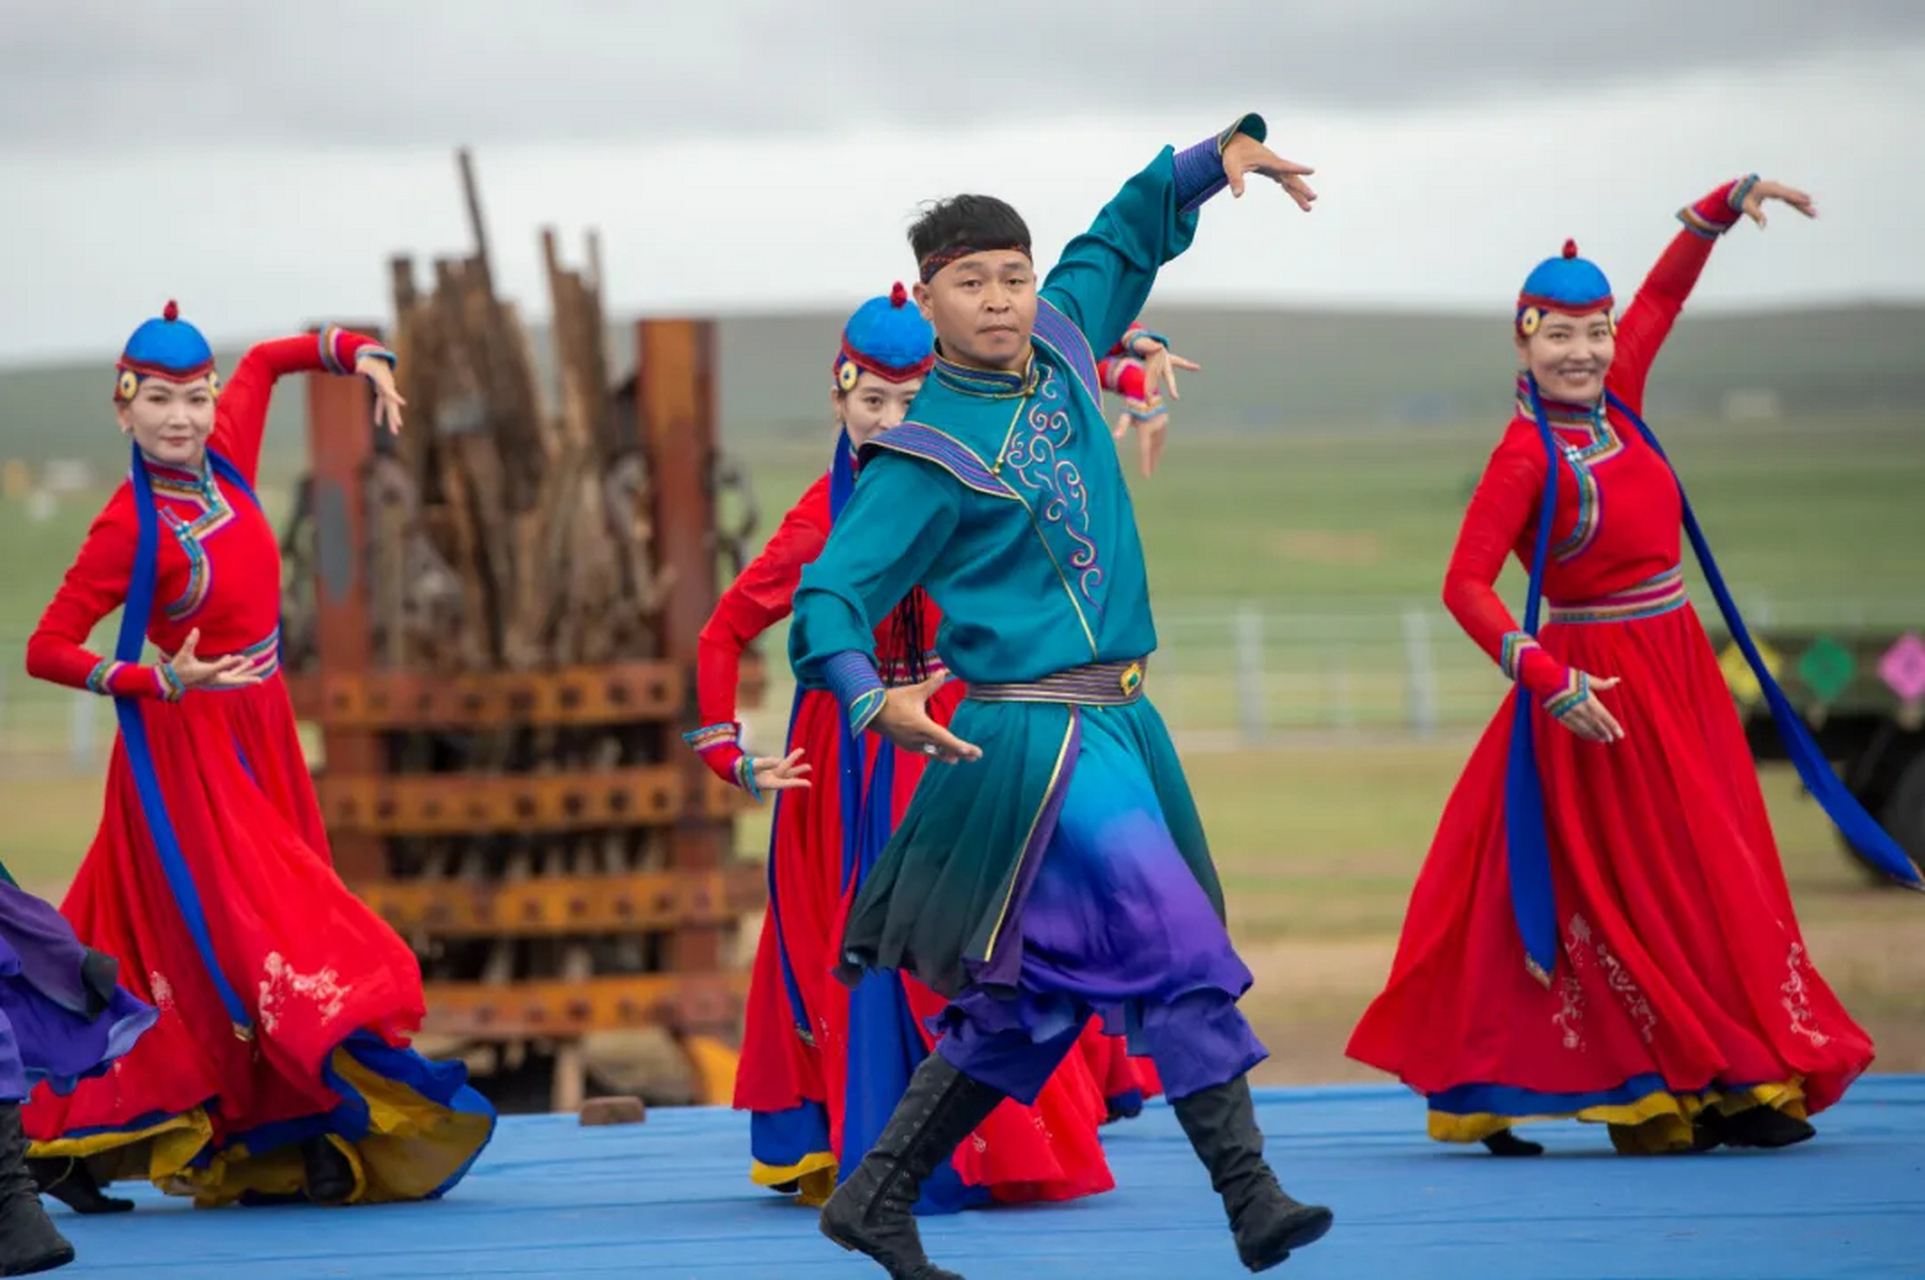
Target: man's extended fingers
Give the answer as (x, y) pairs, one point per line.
(951, 748)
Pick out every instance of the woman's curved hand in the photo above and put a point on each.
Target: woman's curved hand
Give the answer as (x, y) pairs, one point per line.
(784, 774)
(1589, 719)
(387, 397)
(235, 671)
(1754, 202)
(1151, 419)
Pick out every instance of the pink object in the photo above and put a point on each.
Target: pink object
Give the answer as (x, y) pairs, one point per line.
(1903, 667)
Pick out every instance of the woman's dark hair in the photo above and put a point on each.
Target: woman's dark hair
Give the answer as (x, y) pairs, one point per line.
(978, 222)
(906, 630)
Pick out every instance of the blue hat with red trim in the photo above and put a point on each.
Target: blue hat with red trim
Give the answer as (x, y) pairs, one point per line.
(887, 337)
(168, 348)
(1568, 285)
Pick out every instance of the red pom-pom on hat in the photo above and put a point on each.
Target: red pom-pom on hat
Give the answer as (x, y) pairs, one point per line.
(898, 296)
(171, 311)
(1570, 248)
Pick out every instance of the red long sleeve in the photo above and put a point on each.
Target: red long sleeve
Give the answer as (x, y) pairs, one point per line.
(240, 419)
(1506, 501)
(1123, 375)
(1125, 344)
(1648, 320)
(94, 587)
(761, 596)
(1120, 371)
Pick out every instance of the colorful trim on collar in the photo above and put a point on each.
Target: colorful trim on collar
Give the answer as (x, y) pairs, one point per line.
(994, 383)
(1562, 413)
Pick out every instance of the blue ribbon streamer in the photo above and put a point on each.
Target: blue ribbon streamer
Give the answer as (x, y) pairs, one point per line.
(1860, 830)
(842, 483)
(1527, 839)
(134, 615)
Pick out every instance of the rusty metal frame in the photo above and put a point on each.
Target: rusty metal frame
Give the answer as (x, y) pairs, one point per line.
(684, 1003)
(556, 905)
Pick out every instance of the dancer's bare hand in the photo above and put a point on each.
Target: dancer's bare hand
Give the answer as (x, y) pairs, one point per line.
(1754, 205)
(905, 721)
(1590, 720)
(784, 774)
(1159, 370)
(1245, 155)
(235, 671)
(1151, 421)
(387, 397)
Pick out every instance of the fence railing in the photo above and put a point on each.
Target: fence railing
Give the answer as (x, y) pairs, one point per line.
(1237, 673)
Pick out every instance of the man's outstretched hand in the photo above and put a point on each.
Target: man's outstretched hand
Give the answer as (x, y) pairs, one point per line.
(1244, 155)
(905, 721)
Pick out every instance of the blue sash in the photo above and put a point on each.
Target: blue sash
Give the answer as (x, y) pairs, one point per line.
(134, 614)
(885, 1044)
(1527, 841)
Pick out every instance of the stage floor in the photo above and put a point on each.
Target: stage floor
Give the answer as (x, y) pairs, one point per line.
(669, 1198)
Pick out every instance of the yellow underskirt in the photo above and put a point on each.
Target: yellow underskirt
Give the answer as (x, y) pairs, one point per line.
(1656, 1124)
(814, 1176)
(412, 1147)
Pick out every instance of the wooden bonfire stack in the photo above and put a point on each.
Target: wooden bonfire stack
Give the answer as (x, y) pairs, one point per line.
(492, 618)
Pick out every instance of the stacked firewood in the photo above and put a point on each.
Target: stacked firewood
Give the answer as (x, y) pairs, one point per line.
(508, 532)
(508, 529)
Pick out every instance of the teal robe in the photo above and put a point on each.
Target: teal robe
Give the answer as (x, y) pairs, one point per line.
(1003, 497)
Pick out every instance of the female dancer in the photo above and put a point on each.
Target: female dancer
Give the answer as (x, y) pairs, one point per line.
(1611, 811)
(807, 1100)
(63, 1017)
(279, 1065)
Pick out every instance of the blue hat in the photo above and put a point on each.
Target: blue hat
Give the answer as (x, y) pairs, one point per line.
(1568, 285)
(168, 348)
(886, 337)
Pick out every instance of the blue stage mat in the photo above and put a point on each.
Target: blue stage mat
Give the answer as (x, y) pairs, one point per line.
(670, 1198)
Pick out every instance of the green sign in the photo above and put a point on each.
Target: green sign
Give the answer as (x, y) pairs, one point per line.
(1827, 668)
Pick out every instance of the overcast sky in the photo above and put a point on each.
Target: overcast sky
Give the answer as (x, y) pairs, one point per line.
(260, 161)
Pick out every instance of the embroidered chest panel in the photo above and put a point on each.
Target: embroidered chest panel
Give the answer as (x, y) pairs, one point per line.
(1587, 442)
(1038, 462)
(194, 511)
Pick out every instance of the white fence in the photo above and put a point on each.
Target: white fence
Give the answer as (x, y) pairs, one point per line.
(1235, 674)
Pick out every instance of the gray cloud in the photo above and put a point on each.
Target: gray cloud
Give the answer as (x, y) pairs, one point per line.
(431, 72)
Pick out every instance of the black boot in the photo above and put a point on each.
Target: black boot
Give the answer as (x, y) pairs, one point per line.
(72, 1183)
(330, 1178)
(871, 1213)
(1763, 1127)
(1222, 1126)
(1506, 1143)
(29, 1242)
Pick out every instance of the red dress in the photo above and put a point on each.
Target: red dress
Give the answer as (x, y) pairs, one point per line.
(1684, 980)
(303, 1033)
(795, 1072)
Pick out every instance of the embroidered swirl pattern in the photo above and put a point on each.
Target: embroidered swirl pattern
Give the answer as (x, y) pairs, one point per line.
(1569, 1019)
(1797, 998)
(1035, 457)
(1617, 977)
(283, 982)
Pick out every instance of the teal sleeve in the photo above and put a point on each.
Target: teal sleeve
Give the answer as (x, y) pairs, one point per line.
(1104, 276)
(897, 522)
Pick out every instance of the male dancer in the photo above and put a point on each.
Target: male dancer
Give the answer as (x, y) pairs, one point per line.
(1060, 868)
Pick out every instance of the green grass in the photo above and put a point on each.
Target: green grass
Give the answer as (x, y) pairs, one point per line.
(1810, 508)
(1332, 542)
